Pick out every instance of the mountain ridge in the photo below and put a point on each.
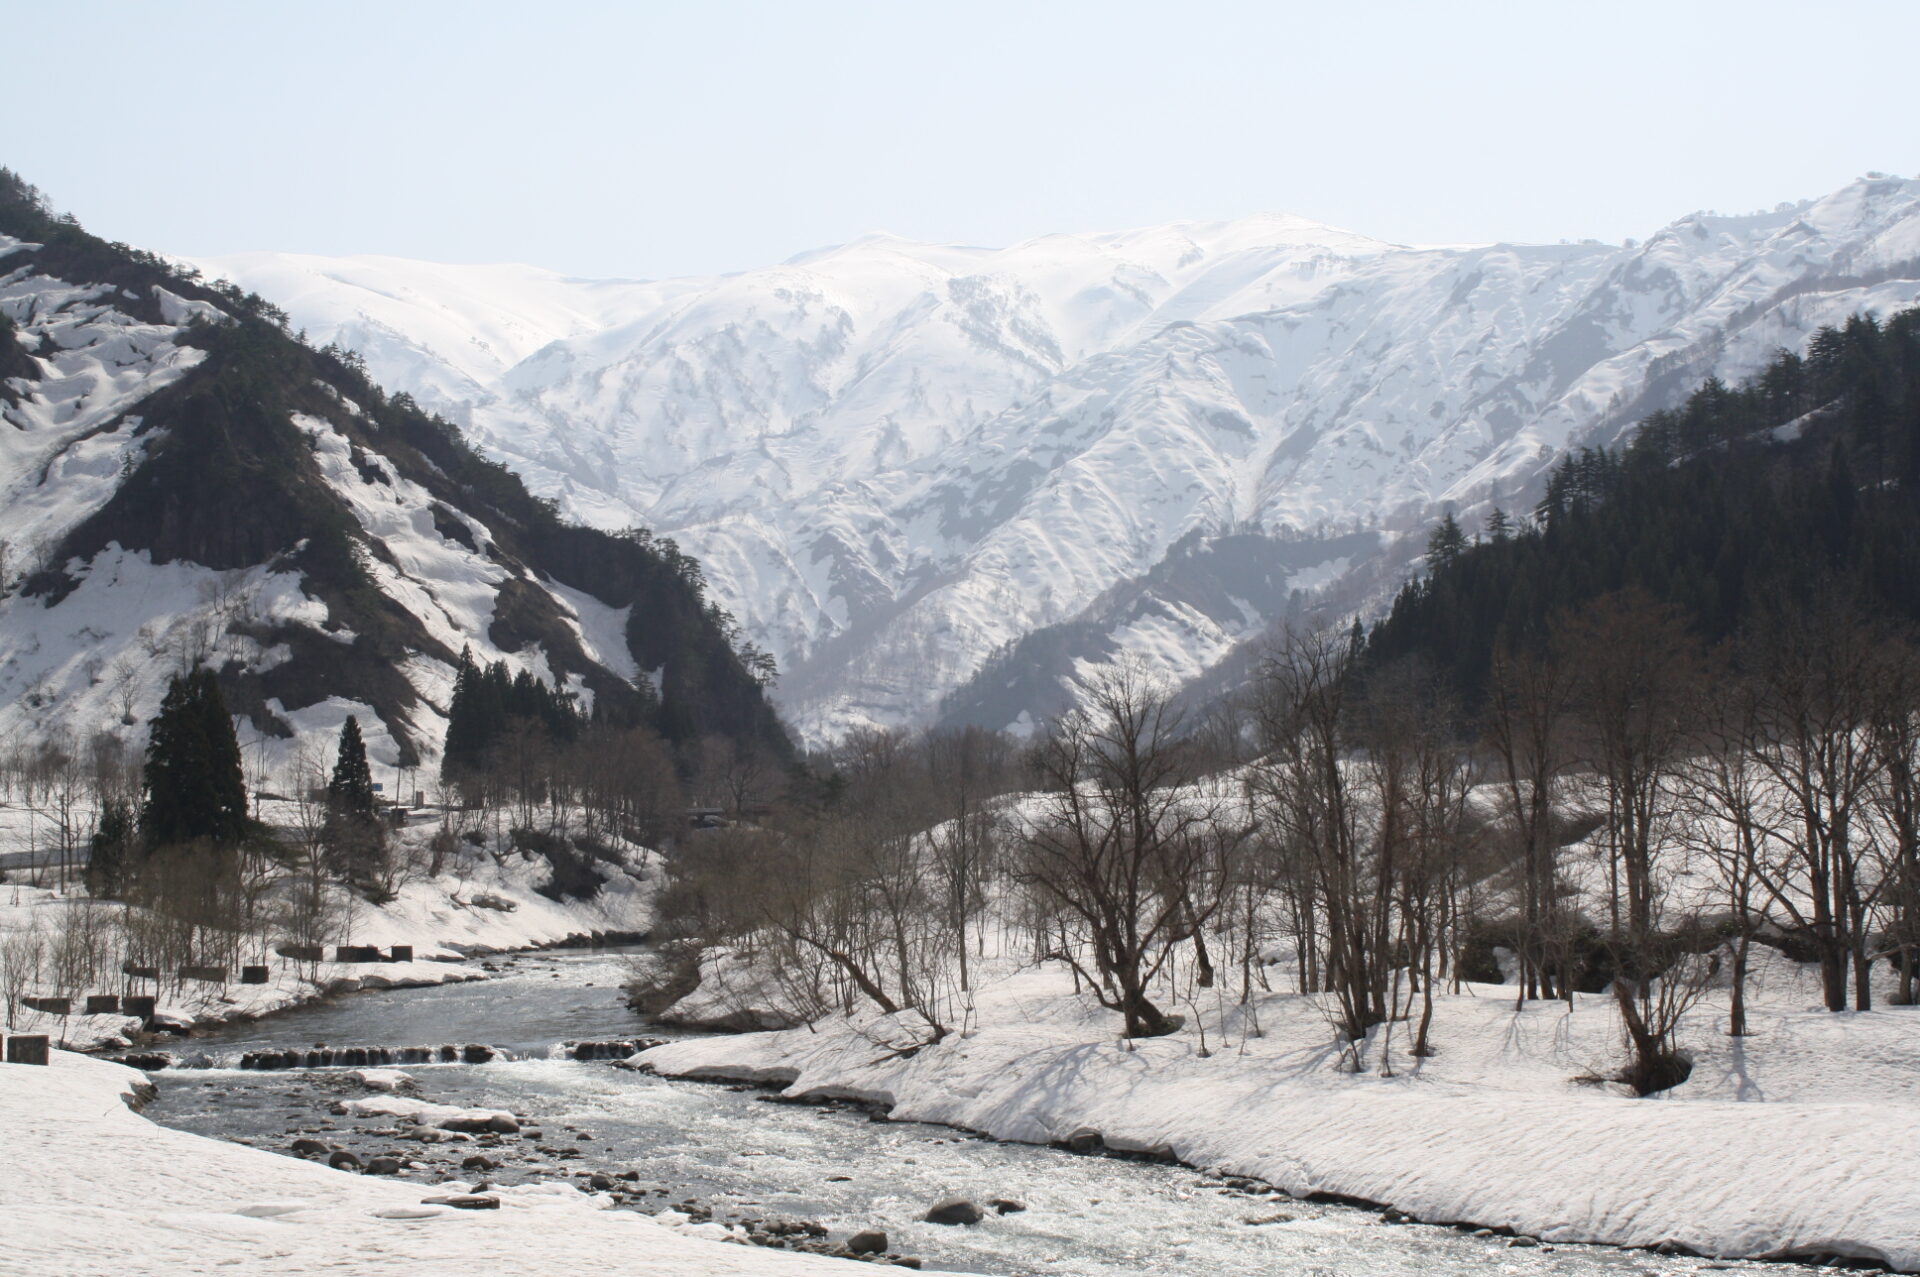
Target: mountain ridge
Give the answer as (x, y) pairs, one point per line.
(187, 484)
(896, 459)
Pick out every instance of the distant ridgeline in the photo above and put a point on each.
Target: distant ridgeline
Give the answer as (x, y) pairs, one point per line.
(1801, 484)
(230, 474)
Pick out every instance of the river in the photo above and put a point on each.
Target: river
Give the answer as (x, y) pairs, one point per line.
(742, 1156)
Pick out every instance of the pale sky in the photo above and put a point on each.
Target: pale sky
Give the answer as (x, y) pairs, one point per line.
(645, 140)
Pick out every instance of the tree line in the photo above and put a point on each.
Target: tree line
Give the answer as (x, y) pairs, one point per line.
(1609, 748)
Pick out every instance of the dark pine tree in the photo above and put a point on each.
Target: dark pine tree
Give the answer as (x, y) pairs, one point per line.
(356, 843)
(194, 788)
(111, 849)
(350, 791)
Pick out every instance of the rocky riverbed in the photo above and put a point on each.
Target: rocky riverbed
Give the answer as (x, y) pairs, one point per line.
(736, 1161)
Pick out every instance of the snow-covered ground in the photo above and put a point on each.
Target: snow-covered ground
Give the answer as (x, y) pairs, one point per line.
(107, 1192)
(486, 899)
(1797, 1139)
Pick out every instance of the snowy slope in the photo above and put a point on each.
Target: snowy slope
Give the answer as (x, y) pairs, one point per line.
(893, 458)
(181, 483)
(112, 1193)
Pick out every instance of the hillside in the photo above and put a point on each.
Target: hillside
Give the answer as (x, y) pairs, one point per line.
(897, 459)
(186, 481)
(1798, 489)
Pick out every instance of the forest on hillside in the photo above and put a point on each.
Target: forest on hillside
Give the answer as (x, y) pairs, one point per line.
(1671, 714)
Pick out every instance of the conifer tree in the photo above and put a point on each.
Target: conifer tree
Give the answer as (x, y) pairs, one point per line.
(1446, 543)
(355, 841)
(110, 849)
(194, 787)
(350, 791)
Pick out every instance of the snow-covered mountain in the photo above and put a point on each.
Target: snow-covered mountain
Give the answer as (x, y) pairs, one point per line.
(896, 459)
(182, 483)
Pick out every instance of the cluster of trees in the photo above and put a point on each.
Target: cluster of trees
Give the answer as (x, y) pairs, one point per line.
(1672, 715)
(866, 881)
(491, 703)
(175, 837)
(1796, 484)
(522, 750)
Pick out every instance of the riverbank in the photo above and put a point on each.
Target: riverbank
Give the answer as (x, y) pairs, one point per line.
(103, 1190)
(486, 901)
(1794, 1142)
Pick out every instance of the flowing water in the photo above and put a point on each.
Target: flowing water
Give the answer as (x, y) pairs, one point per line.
(743, 1156)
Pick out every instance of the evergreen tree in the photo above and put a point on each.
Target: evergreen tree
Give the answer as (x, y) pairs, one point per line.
(355, 840)
(111, 849)
(194, 788)
(1446, 543)
(350, 791)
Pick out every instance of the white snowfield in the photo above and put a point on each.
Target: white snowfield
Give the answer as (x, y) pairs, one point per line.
(1797, 1140)
(97, 1189)
(892, 458)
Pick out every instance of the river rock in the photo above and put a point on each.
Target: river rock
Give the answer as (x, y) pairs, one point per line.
(870, 1241)
(1006, 1205)
(344, 1161)
(954, 1210)
(384, 1166)
(600, 1182)
(464, 1201)
(479, 1162)
(309, 1148)
(1523, 1241)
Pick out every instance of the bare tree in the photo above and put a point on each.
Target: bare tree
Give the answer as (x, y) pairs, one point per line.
(1526, 728)
(1822, 677)
(1118, 831)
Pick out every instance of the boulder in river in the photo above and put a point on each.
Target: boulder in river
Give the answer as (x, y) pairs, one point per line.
(869, 1241)
(954, 1210)
(1006, 1205)
(344, 1161)
(479, 1162)
(384, 1166)
(309, 1148)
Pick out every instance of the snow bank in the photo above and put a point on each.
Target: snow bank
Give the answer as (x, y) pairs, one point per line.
(111, 1193)
(423, 1113)
(1795, 1141)
(487, 899)
(383, 1079)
